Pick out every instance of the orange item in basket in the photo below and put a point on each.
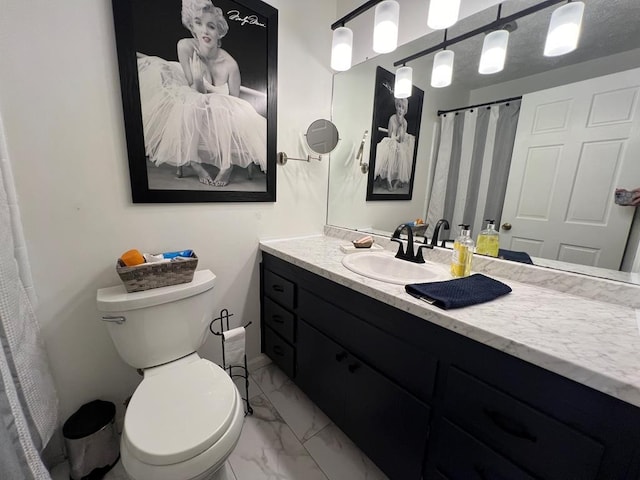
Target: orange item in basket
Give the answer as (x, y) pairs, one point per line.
(132, 257)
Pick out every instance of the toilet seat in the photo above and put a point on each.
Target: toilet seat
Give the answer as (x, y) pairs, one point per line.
(179, 410)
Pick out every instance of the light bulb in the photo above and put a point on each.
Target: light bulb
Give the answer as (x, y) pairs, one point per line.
(442, 69)
(403, 83)
(385, 30)
(341, 49)
(494, 52)
(564, 29)
(443, 13)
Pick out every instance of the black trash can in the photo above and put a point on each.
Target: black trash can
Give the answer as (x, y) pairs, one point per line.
(91, 440)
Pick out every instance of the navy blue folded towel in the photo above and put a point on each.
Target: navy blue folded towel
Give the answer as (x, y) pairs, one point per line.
(522, 257)
(460, 292)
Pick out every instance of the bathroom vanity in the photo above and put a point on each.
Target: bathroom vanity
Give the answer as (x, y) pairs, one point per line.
(502, 390)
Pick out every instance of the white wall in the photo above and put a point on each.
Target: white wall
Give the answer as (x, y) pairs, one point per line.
(60, 102)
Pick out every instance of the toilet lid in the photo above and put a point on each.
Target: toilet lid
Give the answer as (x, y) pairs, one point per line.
(177, 414)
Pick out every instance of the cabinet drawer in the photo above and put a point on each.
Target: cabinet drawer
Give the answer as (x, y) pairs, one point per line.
(279, 351)
(280, 319)
(410, 367)
(280, 289)
(524, 435)
(459, 456)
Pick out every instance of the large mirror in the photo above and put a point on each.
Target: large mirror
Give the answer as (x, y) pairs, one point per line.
(609, 44)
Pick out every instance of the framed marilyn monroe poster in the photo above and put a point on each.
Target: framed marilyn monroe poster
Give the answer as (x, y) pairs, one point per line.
(394, 141)
(199, 85)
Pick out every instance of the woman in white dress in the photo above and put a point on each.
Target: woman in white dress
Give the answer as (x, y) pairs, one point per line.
(394, 154)
(191, 111)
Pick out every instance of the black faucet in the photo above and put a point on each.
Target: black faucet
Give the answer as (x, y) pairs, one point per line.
(408, 255)
(436, 231)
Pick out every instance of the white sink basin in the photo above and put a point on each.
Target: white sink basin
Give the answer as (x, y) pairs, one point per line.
(385, 267)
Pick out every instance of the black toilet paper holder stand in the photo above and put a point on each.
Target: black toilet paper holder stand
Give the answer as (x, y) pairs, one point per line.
(234, 371)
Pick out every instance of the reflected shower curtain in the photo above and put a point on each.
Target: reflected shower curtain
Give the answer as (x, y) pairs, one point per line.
(472, 166)
(28, 401)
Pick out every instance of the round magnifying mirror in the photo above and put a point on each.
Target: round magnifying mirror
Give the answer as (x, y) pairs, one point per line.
(322, 136)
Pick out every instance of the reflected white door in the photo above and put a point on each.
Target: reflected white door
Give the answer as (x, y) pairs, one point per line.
(574, 146)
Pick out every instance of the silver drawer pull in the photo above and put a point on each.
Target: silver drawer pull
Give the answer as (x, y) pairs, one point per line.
(119, 320)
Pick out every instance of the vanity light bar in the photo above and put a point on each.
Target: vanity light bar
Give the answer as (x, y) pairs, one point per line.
(494, 52)
(353, 14)
(404, 82)
(495, 25)
(443, 13)
(564, 29)
(442, 69)
(341, 49)
(385, 32)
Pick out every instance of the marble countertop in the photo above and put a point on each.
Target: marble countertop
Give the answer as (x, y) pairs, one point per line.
(593, 342)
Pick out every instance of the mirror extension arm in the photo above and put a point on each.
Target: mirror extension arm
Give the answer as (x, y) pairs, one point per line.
(282, 158)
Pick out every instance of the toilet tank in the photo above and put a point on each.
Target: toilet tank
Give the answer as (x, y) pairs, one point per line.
(159, 325)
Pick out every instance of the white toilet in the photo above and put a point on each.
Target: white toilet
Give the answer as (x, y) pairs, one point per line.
(185, 417)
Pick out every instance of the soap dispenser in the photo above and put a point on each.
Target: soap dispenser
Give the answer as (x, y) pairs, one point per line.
(489, 240)
(462, 253)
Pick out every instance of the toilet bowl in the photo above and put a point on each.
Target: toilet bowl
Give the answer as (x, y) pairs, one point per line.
(186, 416)
(182, 422)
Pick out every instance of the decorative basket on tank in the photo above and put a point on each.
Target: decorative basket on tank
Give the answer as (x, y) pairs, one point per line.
(156, 275)
(419, 230)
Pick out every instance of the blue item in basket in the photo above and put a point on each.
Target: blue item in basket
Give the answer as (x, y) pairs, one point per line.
(181, 253)
(460, 292)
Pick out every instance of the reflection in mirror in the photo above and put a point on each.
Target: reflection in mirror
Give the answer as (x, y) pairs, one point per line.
(364, 167)
(322, 136)
(609, 44)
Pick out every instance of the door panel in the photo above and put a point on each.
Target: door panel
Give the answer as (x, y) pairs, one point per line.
(389, 424)
(384, 420)
(320, 371)
(590, 199)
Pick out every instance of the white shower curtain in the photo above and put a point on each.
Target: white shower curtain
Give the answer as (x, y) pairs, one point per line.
(472, 166)
(28, 401)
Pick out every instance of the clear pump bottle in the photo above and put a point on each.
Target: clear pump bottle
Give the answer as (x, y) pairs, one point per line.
(462, 253)
(489, 240)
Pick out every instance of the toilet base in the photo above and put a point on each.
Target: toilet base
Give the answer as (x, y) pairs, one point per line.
(220, 474)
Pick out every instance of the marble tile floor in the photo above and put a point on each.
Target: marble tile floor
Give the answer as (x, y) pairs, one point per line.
(286, 438)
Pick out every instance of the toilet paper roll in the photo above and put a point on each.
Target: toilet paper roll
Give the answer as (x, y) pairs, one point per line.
(234, 346)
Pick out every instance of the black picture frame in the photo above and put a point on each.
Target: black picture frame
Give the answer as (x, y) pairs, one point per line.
(384, 107)
(252, 40)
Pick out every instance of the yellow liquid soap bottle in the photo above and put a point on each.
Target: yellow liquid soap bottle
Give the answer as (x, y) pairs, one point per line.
(462, 253)
(489, 240)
